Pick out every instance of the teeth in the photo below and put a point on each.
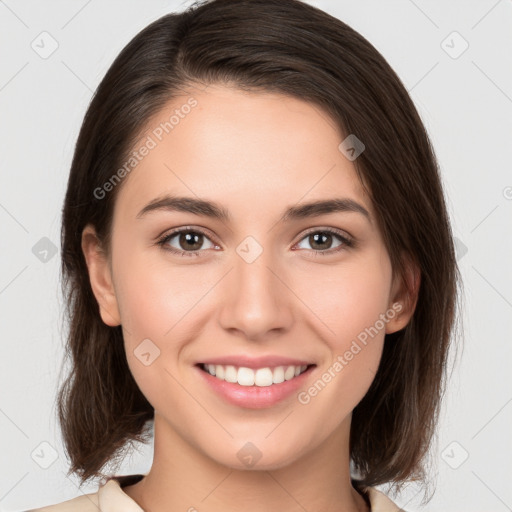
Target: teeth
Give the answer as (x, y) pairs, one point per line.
(263, 377)
(231, 374)
(219, 371)
(248, 377)
(278, 375)
(289, 373)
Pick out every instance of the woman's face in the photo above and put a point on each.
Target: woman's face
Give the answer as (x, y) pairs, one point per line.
(255, 283)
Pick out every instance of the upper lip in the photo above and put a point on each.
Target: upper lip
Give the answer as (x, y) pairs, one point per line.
(255, 362)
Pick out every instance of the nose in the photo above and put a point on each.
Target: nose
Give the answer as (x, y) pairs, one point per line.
(255, 301)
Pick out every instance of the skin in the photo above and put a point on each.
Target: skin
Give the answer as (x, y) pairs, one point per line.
(255, 154)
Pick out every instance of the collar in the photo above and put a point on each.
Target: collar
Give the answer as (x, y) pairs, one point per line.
(112, 498)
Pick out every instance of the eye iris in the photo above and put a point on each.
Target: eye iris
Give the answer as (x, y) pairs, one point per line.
(323, 237)
(190, 241)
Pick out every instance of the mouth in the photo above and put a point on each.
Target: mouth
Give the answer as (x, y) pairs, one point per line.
(254, 388)
(255, 377)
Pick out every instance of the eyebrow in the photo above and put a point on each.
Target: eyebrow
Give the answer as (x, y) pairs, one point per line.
(213, 210)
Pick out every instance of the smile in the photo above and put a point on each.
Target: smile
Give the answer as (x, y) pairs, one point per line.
(261, 377)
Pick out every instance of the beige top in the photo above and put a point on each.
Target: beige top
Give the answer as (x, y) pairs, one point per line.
(110, 497)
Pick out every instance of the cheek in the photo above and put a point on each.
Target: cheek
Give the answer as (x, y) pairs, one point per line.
(157, 303)
(350, 305)
(349, 298)
(153, 295)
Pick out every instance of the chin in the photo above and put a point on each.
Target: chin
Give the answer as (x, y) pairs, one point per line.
(257, 455)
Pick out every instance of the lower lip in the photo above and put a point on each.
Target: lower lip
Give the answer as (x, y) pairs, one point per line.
(255, 397)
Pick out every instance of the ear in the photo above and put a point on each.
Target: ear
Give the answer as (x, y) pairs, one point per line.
(100, 276)
(404, 296)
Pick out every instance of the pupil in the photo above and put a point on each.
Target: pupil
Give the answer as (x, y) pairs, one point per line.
(324, 236)
(191, 240)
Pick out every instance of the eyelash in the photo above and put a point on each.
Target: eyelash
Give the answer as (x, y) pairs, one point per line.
(347, 242)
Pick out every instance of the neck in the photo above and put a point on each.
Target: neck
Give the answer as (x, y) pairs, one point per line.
(182, 477)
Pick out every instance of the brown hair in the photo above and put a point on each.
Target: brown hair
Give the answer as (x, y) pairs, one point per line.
(282, 46)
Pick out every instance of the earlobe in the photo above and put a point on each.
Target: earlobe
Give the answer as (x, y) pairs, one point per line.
(404, 301)
(100, 277)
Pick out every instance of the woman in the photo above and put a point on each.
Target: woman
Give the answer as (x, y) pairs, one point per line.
(258, 261)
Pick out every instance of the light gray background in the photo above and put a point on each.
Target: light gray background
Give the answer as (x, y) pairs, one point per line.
(466, 105)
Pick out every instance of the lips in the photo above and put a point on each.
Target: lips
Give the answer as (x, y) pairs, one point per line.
(261, 393)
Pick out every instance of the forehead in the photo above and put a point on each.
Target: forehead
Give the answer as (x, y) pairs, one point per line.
(243, 148)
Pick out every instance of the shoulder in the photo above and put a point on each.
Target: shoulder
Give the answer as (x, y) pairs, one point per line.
(111, 494)
(380, 502)
(109, 498)
(85, 503)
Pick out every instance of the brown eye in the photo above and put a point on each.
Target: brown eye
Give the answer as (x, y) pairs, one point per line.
(321, 241)
(186, 242)
(190, 241)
